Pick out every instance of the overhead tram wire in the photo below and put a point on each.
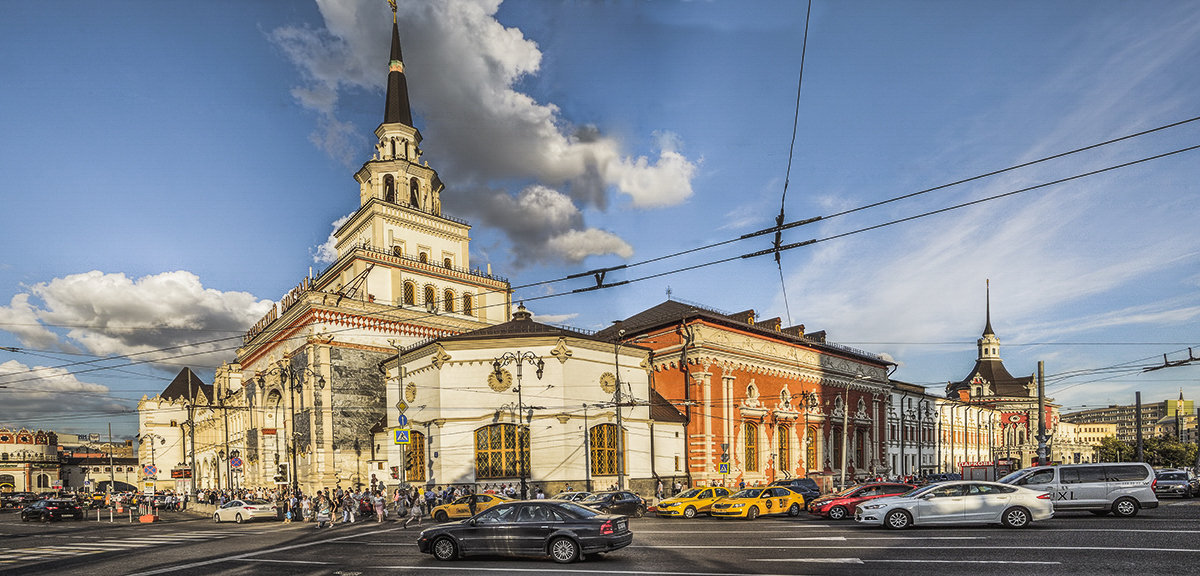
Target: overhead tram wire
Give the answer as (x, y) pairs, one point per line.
(599, 272)
(788, 173)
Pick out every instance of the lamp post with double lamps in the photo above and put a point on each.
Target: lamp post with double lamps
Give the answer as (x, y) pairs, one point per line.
(498, 375)
(292, 378)
(150, 437)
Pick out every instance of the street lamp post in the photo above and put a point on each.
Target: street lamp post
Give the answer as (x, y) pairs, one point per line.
(520, 358)
(151, 437)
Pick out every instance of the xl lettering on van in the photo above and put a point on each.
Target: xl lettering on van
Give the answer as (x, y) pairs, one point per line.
(1062, 495)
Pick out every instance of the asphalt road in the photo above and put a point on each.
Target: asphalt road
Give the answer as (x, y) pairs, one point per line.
(1156, 542)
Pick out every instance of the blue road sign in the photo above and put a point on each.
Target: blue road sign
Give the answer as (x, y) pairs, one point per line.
(403, 420)
(723, 468)
(402, 436)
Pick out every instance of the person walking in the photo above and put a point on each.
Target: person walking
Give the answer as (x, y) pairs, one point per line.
(324, 512)
(414, 514)
(379, 509)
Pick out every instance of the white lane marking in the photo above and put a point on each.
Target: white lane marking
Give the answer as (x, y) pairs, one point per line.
(527, 570)
(875, 547)
(845, 538)
(284, 561)
(811, 560)
(963, 561)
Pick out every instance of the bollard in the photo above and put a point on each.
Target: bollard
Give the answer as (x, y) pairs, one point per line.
(110, 516)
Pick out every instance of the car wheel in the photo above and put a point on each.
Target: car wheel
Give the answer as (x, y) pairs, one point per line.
(24, 518)
(752, 513)
(794, 510)
(564, 550)
(689, 512)
(639, 512)
(897, 520)
(1015, 518)
(216, 518)
(440, 516)
(837, 513)
(238, 519)
(444, 548)
(1125, 507)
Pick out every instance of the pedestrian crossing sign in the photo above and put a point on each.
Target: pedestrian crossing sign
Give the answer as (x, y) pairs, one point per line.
(723, 468)
(402, 436)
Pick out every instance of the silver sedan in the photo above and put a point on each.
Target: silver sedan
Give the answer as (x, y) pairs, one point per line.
(959, 502)
(242, 510)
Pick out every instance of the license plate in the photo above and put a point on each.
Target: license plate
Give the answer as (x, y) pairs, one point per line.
(621, 526)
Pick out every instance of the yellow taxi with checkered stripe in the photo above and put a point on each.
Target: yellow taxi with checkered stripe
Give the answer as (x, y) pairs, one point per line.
(689, 503)
(754, 502)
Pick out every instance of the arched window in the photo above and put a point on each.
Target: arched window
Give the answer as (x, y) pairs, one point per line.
(750, 433)
(496, 451)
(447, 263)
(467, 307)
(7, 482)
(423, 257)
(448, 300)
(783, 439)
(414, 192)
(389, 188)
(604, 443)
(43, 481)
(414, 457)
(430, 296)
(410, 293)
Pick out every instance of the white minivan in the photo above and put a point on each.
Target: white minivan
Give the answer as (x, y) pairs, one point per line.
(1121, 488)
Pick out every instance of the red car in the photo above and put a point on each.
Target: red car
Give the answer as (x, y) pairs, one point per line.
(841, 504)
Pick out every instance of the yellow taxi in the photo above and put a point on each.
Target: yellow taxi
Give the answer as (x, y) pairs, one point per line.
(461, 506)
(754, 502)
(691, 502)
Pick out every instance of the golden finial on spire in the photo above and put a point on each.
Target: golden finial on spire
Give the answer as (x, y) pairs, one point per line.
(392, 3)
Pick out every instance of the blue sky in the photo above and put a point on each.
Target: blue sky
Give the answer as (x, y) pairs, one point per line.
(167, 170)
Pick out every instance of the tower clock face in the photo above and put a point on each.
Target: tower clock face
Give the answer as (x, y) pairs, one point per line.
(500, 383)
(608, 382)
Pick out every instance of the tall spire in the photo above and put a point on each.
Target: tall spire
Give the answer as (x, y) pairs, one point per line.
(397, 109)
(988, 329)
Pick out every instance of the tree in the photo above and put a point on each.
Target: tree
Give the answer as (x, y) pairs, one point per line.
(1113, 450)
(1168, 452)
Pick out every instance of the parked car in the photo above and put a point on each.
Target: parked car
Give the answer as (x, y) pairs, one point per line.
(1180, 483)
(806, 486)
(572, 496)
(563, 530)
(959, 502)
(754, 502)
(1122, 488)
(689, 503)
(461, 506)
(841, 505)
(17, 499)
(51, 509)
(244, 510)
(617, 502)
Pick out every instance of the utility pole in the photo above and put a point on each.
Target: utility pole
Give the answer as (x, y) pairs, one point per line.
(1137, 421)
(617, 403)
(1041, 449)
(112, 479)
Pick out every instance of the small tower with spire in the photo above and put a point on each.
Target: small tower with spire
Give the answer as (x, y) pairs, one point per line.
(989, 344)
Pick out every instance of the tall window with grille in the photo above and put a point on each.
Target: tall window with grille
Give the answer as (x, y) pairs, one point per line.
(497, 448)
(410, 294)
(750, 435)
(414, 457)
(430, 296)
(810, 455)
(603, 438)
(448, 300)
(468, 307)
(783, 439)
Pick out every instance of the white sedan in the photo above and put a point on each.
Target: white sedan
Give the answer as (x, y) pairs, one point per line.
(959, 502)
(242, 510)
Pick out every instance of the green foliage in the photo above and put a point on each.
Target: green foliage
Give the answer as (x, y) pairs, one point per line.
(1168, 452)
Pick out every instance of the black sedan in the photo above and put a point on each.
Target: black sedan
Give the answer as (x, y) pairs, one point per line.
(617, 502)
(562, 530)
(51, 510)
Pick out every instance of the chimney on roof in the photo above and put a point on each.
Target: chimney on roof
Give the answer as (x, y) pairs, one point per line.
(797, 330)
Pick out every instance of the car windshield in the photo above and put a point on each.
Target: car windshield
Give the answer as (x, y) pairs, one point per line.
(1011, 478)
(596, 498)
(748, 493)
(921, 490)
(255, 502)
(847, 491)
(692, 493)
(1172, 476)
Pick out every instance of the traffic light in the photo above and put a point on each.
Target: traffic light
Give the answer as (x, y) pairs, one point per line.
(396, 472)
(281, 474)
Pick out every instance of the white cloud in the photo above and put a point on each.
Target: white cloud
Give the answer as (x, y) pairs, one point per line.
(112, 314)
(554, 318)
(462, 66)
(326, 253)
(575, 245)
(46, 394)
